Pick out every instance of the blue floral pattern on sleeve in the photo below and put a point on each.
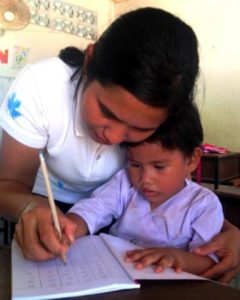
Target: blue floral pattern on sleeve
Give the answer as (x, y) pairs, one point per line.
(59, 184)
(13, 106)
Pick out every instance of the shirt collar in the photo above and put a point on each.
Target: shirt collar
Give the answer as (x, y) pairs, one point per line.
(79, 127)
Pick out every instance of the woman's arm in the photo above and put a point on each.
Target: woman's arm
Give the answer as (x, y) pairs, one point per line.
(226, 245)
(34, 231)
(18, 169)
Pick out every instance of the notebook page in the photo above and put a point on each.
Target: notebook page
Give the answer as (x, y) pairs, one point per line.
(90, 269)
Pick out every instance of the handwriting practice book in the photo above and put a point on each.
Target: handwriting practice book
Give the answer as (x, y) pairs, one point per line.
(95, 264)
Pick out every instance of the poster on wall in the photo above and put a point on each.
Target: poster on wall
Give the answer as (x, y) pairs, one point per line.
(20, 57)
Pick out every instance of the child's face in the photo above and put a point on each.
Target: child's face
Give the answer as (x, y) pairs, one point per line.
(158, 173)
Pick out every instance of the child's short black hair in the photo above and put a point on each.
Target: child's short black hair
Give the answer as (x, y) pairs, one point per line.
(182, 131)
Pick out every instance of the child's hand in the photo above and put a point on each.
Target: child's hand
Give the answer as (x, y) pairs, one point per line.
(161, 257)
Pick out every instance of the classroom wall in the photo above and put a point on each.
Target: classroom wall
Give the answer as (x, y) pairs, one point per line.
(44, 42)
(217, 25)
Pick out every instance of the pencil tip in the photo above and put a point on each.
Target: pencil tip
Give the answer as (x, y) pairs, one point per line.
(64, 258)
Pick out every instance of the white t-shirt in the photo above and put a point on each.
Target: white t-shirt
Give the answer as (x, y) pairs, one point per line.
(40, 111)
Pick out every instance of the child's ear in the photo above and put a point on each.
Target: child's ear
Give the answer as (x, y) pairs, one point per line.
(194, 159)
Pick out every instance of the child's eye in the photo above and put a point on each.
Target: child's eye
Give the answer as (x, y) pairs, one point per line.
(133, 165)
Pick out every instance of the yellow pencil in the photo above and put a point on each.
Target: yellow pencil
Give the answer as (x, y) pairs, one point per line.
(51, 200)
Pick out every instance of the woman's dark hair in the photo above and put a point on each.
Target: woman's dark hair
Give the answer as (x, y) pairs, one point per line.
(182, 131)
(72, 56)
(150, 53)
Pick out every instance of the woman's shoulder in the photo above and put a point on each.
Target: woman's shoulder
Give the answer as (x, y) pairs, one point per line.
(52, 82)
(45, 86)
(51, 68)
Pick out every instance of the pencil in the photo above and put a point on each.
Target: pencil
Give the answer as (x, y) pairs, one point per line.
(51, 200)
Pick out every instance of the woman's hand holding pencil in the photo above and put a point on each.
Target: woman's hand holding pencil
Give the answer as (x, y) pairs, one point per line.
(37, 236)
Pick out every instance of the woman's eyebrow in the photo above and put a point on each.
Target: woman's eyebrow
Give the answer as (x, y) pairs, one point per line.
(111, 115)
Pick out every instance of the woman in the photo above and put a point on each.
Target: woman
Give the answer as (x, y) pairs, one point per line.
(142, 69)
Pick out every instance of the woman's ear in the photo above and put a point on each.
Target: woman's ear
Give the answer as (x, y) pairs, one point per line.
(88, 55)
(194, 159)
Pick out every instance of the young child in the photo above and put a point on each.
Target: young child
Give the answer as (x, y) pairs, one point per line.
(153, 201)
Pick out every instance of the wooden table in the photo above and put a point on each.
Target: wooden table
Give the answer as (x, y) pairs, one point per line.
(230, 199)
(150, 290)
(219, 168)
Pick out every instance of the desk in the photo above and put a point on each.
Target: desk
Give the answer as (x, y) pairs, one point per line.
(165, 290)
(230, 198)
(219, 168)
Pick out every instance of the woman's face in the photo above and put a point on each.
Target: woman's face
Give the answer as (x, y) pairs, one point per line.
(113, 115)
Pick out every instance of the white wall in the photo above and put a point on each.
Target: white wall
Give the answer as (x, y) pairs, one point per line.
(44, 42)
(217, 25)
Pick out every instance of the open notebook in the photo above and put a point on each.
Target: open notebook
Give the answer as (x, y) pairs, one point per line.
(95, 264)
